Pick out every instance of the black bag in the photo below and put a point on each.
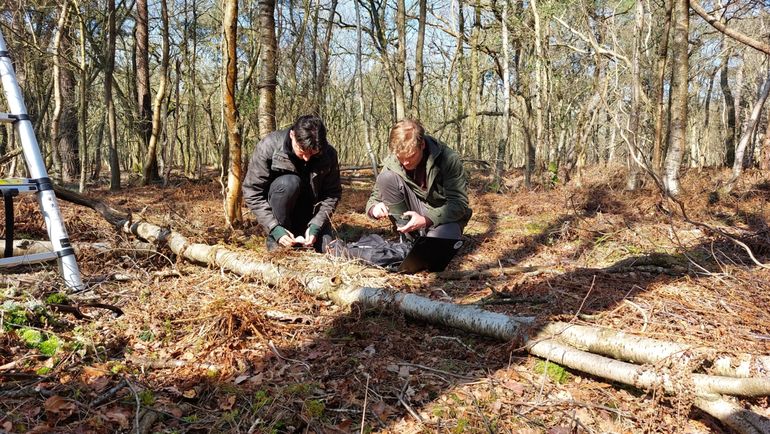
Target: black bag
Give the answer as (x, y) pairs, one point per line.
(372, 249)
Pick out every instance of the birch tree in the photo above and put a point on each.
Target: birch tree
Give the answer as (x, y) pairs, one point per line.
(503, 143)
(748, 134)
(268, 73)
(660, 82)
(632, 182)
(730, 130)
(109, 67)
(680, 65)
(473, 92)
(59, 81)
(82, 97)
(540, 94)
(151, 172)
(360, 86)
(419, 68)
(144, 122)
(764, 162)
(325, 55)
(233, 194)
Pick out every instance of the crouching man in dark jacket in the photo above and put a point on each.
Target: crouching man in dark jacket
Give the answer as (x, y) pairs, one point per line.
(293, 184)
(422, 186)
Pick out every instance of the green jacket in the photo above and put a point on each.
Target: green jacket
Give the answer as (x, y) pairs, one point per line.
(446, 196)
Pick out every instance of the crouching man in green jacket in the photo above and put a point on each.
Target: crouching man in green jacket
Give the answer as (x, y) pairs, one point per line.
(422, 186)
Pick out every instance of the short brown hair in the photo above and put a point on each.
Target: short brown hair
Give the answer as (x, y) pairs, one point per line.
(406, 136)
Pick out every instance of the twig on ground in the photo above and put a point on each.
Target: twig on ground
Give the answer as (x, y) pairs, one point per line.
(138, 405)
(26, 393)
(366, 396)
(280, 356)
(583, 302)
(406, 405)
(439, 371)
(500, 271)
(641, 311)
(109, 394)
(455, 339)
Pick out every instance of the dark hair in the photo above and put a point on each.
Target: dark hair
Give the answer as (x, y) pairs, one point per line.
(310, 133)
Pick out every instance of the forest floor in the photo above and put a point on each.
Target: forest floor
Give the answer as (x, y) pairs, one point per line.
(201, 350)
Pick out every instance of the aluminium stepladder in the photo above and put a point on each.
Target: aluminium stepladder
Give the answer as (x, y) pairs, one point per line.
(37, 183)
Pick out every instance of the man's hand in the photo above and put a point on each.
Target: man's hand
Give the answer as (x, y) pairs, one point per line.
(416, 222)
(287, 240)
(379, 211)
(309, 238)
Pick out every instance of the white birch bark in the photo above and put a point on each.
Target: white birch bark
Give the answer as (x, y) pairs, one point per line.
(641, 350)
(740, 150)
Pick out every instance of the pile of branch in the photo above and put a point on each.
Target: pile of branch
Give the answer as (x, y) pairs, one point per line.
(711, 379)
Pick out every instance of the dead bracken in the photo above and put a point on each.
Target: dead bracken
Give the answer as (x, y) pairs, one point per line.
(200, 349)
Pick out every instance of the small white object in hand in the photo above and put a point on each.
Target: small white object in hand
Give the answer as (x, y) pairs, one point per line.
(299, 239)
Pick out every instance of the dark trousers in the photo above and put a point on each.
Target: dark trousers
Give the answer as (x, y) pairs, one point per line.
(292, 202)
(394, 191)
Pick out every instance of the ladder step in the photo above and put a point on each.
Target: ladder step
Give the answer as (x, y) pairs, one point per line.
(34, 258)
(19, 185)
(7, 118)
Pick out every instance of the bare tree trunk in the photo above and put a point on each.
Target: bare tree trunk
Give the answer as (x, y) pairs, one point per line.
(82, 100)
(175, 130)
(361, 103)
(748, 134)
(144, 121)
(400, 64)
(394, 68)
(681, 68)
(764, 162)
(458, 64)
(191, 131)
(707, 117)
(541, 90)
(632, 183)
(323, 70)
(233, 194)
(57, 88)
(419, 74)
(268, 74)
(729, 140)
(68, 133)
(150, 171)
(109, 68)
(660, 69)
(473, 93)
(98, 142)
(503, 143)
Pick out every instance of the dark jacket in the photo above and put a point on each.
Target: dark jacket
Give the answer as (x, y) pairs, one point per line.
(271, 159)
(446, 195)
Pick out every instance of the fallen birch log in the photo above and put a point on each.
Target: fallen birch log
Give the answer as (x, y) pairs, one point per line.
(707, 389)
(31, 247)
(640, 350)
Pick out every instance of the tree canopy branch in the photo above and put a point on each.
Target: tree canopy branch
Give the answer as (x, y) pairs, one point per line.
(738, 36)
